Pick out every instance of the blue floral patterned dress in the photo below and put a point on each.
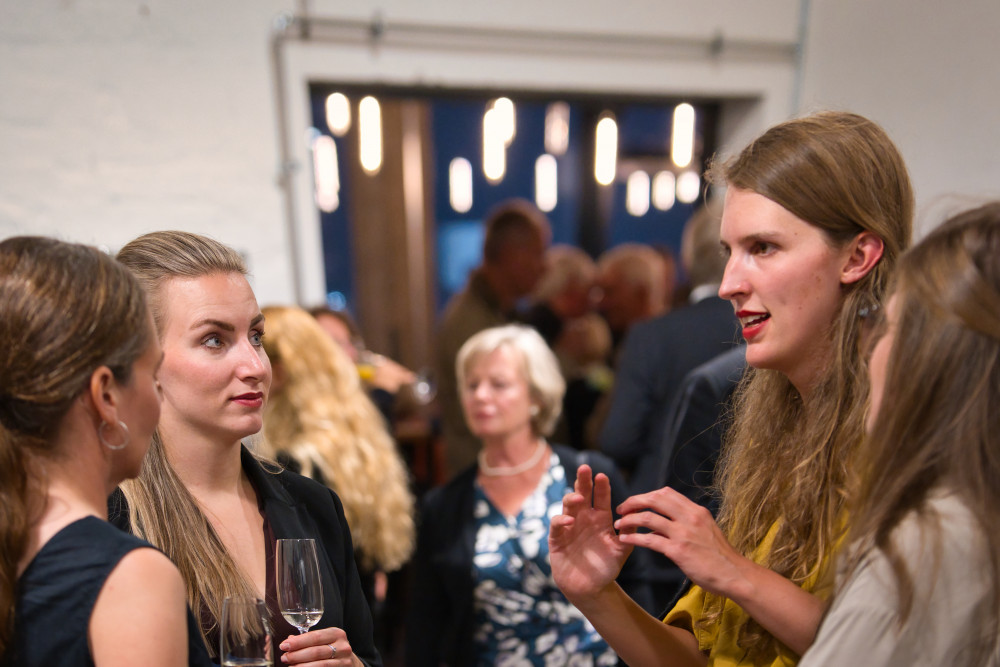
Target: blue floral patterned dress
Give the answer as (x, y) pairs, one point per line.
(521, 616)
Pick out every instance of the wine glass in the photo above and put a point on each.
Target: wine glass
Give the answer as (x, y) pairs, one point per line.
(245, 633)
(300, 592)
(424, 386)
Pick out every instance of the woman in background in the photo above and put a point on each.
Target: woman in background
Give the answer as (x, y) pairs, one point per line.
(384, 379)
(816, 213)
(202, 496)
(319, 421)
(483, 588)
(78, 405)
(921, 583)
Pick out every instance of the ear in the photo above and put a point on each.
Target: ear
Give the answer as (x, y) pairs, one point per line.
(103, 394)
(865, 252)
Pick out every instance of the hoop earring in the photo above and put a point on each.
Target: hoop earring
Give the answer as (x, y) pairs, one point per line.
(100, 436)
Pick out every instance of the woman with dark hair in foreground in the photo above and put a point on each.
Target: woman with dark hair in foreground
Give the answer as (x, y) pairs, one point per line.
(78, 404)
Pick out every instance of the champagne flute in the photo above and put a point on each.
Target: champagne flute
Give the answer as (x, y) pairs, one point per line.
(245, 633)
(300, 592)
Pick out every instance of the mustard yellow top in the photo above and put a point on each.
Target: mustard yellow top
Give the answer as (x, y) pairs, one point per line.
(720, 640)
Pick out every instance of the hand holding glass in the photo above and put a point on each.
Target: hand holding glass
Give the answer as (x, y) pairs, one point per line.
(245, 634)
(300, 592)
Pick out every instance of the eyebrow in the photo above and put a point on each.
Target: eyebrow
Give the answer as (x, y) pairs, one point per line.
(756, 237)
(218, 324)
(225, 326)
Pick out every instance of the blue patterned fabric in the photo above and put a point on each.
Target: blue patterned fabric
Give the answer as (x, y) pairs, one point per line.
(521, 616)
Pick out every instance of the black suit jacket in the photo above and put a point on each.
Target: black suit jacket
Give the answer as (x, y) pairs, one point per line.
(298, 507)
(696, 426)
(441, 622)
(655, 357)
(692, 441)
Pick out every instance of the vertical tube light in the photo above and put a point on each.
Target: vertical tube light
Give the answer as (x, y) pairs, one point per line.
(682, 135)
(460, 185)
(338, 114)
(637, 193)
(606, 150)
(494, 148)
(664, 190)
(507, 119)
(326, 174)
(557, 128)
(370, 134)
(688, 187)
(546, 182)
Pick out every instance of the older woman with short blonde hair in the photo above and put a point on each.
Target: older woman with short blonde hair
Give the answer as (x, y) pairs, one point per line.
(484, 588)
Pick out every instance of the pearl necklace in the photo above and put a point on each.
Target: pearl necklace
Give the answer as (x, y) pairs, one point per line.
(506, 471)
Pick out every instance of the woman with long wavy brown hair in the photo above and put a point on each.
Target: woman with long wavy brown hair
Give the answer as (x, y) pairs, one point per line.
(921, 582)
(816, 213)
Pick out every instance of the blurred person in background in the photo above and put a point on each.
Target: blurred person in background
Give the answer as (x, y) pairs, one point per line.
(631, 281)
(319, 422)
(483, 587)
(564, 293)
(659, 352)
(517, 234)
(383, 377)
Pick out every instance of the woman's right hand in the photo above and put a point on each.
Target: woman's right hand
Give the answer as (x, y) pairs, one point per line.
(686, 533)
(324, 647)
(584, 549)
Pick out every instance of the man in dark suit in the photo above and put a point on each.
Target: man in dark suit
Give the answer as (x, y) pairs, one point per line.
(658, 353)
(695, 429)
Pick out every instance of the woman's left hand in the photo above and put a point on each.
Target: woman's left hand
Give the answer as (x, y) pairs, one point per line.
(326, 647)
(684, 532)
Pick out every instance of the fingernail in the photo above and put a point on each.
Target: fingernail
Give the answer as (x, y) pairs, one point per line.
(284, 646)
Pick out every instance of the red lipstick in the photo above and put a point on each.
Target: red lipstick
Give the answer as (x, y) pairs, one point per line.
(752, 322)
(251, 400)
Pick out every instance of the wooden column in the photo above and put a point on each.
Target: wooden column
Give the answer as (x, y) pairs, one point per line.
(392, 234)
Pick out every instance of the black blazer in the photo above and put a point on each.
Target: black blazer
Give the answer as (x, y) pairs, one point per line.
(298, 507)
(441, 620)
(696, 426)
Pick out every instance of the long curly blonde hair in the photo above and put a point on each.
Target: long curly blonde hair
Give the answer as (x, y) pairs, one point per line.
(784, 463)
(319, 414)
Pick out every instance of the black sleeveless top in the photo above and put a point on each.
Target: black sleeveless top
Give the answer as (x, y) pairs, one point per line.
(57, 592)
